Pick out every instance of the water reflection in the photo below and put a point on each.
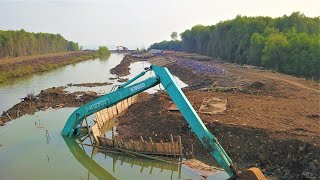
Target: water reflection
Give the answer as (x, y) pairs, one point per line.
(145, 165)
(95, 70)
(86, 161)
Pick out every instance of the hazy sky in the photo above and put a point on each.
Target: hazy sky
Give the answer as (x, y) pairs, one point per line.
(134, 23)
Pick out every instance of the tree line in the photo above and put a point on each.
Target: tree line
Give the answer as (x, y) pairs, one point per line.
(174, 45)
(289, 44)
(22, 43)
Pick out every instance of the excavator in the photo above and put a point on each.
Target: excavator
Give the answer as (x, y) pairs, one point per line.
(163, 76)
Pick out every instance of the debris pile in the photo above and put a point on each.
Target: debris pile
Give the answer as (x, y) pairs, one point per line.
(200, 67)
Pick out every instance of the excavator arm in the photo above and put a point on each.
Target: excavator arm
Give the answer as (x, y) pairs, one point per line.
(209, 141)
(106, 101)
(163, 76)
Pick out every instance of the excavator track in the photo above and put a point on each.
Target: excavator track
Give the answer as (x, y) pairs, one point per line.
(252, 174)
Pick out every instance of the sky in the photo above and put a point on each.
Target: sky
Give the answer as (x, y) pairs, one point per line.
(134, 23)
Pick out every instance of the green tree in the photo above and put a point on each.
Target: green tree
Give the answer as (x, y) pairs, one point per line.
(275, 51)
(289, 44)
(22, 43)
(174, 36)
(255, 50)
(103, 51)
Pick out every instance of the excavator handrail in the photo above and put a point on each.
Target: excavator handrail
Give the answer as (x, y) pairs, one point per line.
(163, 76)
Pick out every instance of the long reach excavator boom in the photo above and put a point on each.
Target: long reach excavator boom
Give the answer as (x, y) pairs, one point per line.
(163, 76)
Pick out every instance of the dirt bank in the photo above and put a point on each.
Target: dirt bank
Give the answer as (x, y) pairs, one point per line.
(17, 67)
(52, 97)
(282, 154)
(90, 84)
(272, 120)
(123, 69)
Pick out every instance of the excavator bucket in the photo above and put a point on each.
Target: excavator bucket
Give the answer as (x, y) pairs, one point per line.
(252, 174)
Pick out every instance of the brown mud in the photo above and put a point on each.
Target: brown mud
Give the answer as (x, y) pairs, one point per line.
(123, 80)
(123, 69)
(90, 84)
(52, 97)
(271, 120)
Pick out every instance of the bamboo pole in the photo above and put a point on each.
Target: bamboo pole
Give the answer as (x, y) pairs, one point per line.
(113, 138)
(145, 156)
(152, 146)
(192, 151)
(143, 144)
(132, 145)
(85, 117)
(18, 113)
(8, 115)
(180, 146)
(163, 150)
(171, 144)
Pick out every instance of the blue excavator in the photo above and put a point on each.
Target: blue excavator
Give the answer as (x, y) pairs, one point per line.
(163, 76)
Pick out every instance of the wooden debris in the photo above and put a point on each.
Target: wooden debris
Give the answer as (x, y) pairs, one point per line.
(213, 106)
(160, 61)
(58, 106)
(173, 107)
(201, 168)
(221, 89)
(7, 115)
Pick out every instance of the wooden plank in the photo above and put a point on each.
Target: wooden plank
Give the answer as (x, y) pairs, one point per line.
(134, 99)
(162, 146)
(118, 107)
(125, 104)
(180, 145)
(122, 106)
(132, 145)
(171, 144)
(114, 111)
(107, 114)
(110, 114)
(129, 101)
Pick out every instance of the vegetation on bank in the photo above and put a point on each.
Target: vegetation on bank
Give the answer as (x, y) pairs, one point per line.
(103, 51)
(22, 43)
(43, 65)
(289, 44)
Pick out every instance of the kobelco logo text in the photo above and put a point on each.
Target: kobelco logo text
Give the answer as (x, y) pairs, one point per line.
(137, 87)
(98, 105)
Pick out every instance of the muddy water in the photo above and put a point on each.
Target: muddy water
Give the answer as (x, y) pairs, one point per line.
(90, 71)
(31, 147)
(95, 70)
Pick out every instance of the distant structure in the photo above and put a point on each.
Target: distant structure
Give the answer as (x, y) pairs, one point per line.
(155, 51)
(122, 48)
